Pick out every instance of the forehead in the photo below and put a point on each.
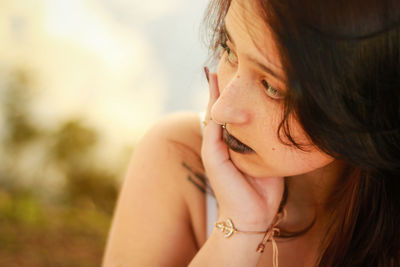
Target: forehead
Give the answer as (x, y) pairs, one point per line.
(250, 31)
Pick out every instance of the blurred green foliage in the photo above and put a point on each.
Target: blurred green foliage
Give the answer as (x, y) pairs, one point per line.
(19, 128)
(69, 229)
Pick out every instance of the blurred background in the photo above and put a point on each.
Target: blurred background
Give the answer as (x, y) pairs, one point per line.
(80, 82)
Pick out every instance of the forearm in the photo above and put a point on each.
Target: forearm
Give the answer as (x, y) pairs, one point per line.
(237, 250)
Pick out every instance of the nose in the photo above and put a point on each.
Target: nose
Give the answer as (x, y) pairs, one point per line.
(233, 104)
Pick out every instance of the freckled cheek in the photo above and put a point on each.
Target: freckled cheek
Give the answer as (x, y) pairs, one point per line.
(225, 75)
(221, 72)
(274, 154)
(302, 163)
(267, 133)
(270, 148)
(296, 132)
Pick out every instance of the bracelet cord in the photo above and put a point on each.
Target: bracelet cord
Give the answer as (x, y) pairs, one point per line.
(229, 229)
(269, 236)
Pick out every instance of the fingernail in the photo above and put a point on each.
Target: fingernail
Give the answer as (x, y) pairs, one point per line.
(207, 72)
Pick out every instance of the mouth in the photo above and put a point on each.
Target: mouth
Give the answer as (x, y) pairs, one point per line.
(234, 143)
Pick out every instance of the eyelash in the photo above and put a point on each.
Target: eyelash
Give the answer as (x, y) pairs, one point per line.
(228, 51)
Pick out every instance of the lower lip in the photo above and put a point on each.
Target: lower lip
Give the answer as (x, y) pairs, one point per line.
(234, 144)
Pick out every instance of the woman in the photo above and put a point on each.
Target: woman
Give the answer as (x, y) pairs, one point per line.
(301, 146)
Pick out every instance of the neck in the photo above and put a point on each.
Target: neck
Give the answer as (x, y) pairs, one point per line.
(308, 194)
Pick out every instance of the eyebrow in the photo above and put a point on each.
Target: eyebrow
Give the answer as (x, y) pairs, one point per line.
(259, 64)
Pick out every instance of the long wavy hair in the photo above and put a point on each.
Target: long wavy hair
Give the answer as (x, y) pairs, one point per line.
(342, 63)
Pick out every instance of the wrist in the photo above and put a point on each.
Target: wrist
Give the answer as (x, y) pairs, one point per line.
(235, 251)
(247, 244)
(243, 246)
(247, 224)
(229, 228)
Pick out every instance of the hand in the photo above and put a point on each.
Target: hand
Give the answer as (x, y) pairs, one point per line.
(251, 203)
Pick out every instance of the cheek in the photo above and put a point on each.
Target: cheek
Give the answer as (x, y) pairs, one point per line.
(281, 162)
(271, 121)
(290, 161)
(285, 160)
(225, 74)
(304, 162)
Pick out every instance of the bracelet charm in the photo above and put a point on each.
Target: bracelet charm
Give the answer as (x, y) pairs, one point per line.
(229, 229)
(226, 227)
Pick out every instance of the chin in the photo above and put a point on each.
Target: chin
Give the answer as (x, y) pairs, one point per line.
(248, 165)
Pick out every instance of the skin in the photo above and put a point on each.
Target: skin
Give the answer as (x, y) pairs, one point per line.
(252, 115)
(159, 219)
(160, 215)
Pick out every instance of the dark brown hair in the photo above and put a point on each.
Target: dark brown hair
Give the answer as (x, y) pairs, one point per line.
(342, 63)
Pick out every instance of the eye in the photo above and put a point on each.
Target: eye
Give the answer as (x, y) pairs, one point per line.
(230, 57)
(272, 92)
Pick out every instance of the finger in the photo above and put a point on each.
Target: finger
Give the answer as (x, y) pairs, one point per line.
(215, 155)
(216, 151)
(214, 90)
(207, 73)
(213, 94)
(232, 187)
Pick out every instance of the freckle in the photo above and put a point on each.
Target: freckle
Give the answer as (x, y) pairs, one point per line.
(238, 76)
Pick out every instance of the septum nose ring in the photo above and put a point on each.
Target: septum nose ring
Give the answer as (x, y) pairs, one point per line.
(223, 125)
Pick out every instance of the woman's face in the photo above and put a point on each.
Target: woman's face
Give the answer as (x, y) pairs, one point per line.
(251, 83)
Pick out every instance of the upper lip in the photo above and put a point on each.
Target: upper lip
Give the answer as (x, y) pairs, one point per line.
(235, 144)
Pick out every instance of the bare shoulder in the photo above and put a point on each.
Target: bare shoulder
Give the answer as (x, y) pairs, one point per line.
(160, 215)
(182, 127)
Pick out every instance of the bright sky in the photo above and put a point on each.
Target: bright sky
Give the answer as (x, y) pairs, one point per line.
(119, 63)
